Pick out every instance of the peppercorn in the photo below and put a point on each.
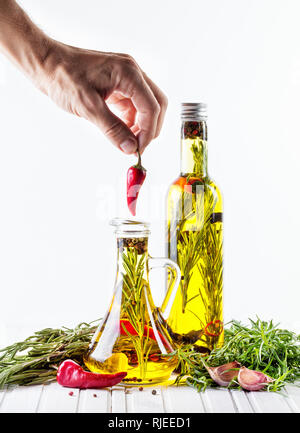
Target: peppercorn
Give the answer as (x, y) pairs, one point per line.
(194, 129)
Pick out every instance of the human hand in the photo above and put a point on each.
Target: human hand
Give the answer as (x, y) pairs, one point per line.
(85, 82)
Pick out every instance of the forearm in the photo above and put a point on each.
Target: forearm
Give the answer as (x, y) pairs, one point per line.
(85, 82)
(21, 40)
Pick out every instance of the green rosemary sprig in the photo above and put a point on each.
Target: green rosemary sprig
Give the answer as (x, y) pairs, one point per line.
(134, 305)
(210, 268)
(35, 360)
(199, 151)
(191, 243)
(262, 346)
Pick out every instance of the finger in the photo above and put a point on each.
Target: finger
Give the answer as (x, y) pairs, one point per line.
(135, 129)
(128, 117)
(136, 88)
(112, 126)
(125, 107)
(161, 99)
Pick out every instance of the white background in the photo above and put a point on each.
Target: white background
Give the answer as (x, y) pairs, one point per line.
(61, 181)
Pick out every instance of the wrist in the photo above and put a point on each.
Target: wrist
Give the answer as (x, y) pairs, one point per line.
(47, 58)
(22, 41)
(52, 64)
(35, 55)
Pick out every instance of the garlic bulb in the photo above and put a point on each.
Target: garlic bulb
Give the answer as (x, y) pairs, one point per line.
(224, 374)
(252, 380)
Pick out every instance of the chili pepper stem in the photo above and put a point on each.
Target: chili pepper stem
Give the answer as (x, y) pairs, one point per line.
(139, 163)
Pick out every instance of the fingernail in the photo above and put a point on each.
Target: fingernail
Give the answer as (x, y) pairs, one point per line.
(129, 146)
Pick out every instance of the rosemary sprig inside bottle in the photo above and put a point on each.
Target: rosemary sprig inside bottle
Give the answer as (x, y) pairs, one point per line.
(134, 304)
(192, 242)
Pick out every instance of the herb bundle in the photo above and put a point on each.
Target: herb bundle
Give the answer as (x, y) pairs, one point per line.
(36, 360)
(262, 346)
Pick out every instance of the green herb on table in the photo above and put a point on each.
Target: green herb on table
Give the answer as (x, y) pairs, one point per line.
(262, 346)
(36, 360)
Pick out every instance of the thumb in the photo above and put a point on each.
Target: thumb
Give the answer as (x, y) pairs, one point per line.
(116, 130)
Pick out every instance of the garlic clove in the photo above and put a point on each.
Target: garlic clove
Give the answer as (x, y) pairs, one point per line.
(252, 380)
(224, 374)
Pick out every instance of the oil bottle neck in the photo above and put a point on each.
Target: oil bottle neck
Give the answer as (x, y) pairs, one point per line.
(194, 148)
(132, 255)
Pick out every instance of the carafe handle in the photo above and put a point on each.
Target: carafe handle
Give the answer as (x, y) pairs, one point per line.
(162, 262)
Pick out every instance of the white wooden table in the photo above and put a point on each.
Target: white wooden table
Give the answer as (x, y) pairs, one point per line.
(54, 398)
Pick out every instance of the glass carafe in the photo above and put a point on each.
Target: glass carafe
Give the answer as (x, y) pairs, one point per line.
(132, 336)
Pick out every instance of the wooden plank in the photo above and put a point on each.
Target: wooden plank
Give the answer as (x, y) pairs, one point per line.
(20, 399)
(58, 399)
(94, 401)
(268, 402)
(293, 392)
(182, 399)
(118, 400)
(241, 401)
(149, 399)
(54, 398)
(218, 401)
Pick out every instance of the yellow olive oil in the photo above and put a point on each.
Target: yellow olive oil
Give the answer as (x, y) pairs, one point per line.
(195, 240)
(153, 368)
(133, 335)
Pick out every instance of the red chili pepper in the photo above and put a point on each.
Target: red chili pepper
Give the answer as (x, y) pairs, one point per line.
(72, 375)
(135, 178)
(217, 324)
(127, 328)
(154, 357)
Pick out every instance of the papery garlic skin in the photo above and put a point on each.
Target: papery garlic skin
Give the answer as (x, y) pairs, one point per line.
(252, 380)
(224, 374)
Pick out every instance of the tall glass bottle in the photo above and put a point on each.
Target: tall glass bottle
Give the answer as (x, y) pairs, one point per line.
(195, 239)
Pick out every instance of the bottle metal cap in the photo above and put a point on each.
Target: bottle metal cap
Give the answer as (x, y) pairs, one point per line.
(193, 111)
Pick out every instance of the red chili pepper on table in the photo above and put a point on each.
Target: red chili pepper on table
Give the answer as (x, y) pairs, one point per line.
(72, 375)
(135, 178)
